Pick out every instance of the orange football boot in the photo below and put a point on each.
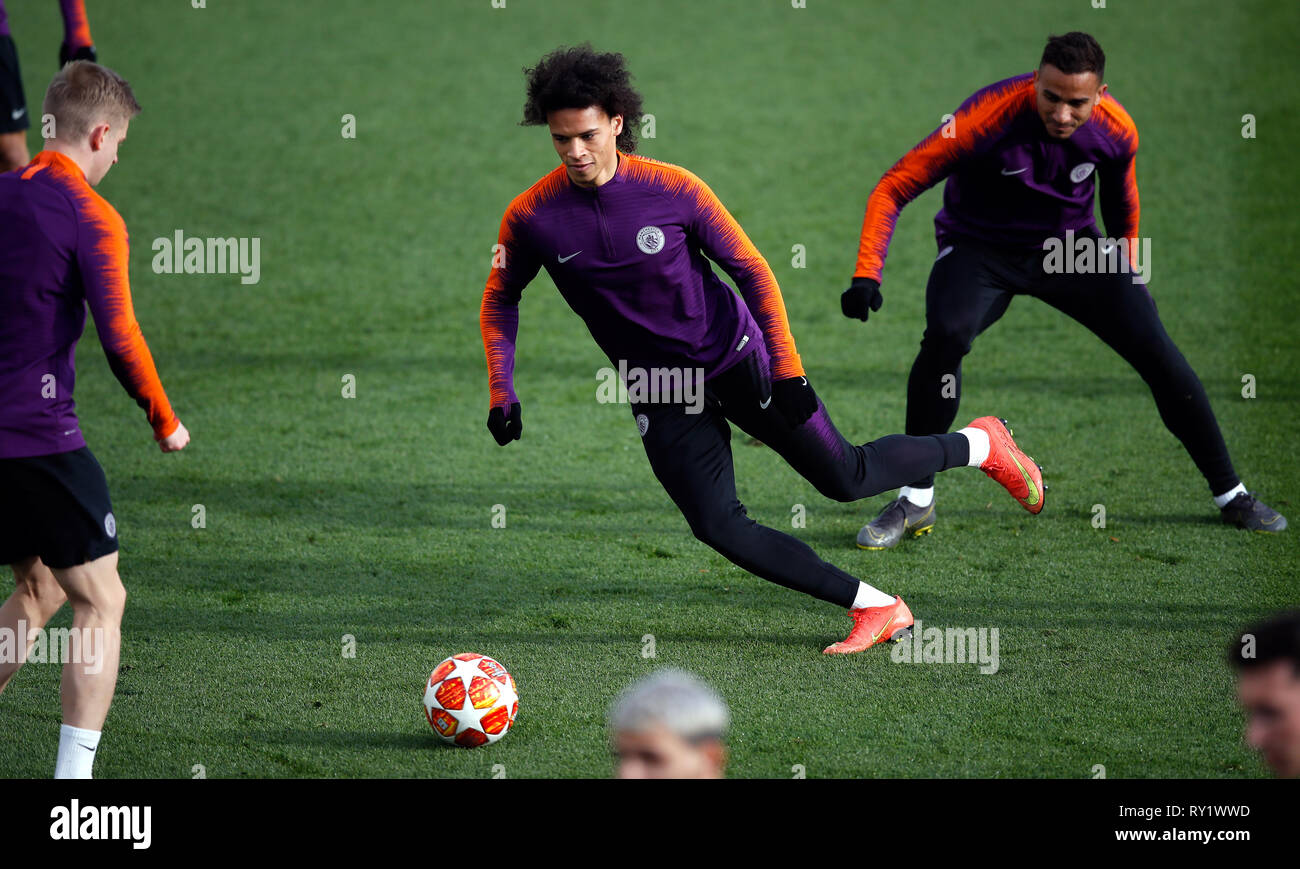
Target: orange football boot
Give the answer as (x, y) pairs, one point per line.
(1009, 465)
(872, 625)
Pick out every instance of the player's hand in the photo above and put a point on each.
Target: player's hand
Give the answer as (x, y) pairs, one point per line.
(83, 52)
(861, 298)
(505, 428)
(176, 440)
(794, 399)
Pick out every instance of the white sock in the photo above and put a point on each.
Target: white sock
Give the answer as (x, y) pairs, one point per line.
(978, 439)
(870, 597)
(918, 497)
(76, 752)
(1221, 501)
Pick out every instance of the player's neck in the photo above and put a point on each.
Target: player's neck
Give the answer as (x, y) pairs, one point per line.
(76, 154)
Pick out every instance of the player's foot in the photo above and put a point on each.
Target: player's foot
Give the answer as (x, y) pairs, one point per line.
(1247, 511)
(872, 625)
(899, 518)
(1009, 465)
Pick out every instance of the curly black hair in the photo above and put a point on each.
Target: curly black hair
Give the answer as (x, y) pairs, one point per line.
(1075, 52)
(580, 77)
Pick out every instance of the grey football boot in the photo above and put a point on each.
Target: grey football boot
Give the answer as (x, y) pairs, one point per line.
(899, 518)
(1247, 511)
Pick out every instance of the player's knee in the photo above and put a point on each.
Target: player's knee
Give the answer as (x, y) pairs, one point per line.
(838, 489)
(719, 531)
(103, 598)
(946, 342)
(36, 582)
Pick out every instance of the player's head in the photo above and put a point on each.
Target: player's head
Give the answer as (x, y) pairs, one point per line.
(1070, 80)
(91, 106)
(1267, 659)
(587, 100)
(669, 725)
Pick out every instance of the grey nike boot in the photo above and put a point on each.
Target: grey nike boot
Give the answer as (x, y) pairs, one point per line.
(899, 518)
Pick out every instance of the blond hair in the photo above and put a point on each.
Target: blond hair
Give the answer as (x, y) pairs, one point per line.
(83, 95)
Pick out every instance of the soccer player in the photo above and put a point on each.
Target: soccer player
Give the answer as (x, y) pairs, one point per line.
(1022, 158)
(669, 725)
(14, 119)
(1267, 660)
(625, 238)
(63, 248)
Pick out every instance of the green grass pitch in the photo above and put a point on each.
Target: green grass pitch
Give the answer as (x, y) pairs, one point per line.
(372, 516)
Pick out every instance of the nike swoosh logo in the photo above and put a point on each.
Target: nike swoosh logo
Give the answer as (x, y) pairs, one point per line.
(762, 405)
(565, 259)
(875, 638)
(1017, 172)
(1032, 498)
(18, 113)
(87, 747)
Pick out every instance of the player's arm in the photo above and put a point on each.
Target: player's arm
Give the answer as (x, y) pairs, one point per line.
(972, 127)
(722, 240)
(1118, 191)
(103, 256)
(513, 266)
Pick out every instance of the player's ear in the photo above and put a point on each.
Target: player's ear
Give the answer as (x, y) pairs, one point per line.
(617, 122)
(97, 136)
(1101, 91)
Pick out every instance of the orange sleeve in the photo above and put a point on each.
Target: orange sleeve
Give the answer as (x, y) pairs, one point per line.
(723, 241)
(103, 254)
(513, 267)
(976, 124)
(1118, 189)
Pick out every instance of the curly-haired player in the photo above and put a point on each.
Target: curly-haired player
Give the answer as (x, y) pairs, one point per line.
(627, 241)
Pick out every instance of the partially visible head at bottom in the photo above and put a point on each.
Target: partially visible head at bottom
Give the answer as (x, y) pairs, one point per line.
(1266, 657)
(669, 725)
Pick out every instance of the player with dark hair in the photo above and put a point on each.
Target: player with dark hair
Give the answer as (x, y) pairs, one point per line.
(14, 117)
(63, 248)
(1022, 158)
(625, 239)
(1267, 659)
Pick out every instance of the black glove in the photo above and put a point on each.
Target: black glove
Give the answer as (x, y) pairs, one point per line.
(795, 400)
(85, 52)
(505, 429)
(863, 294)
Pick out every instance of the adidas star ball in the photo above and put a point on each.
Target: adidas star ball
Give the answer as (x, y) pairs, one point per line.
(470, 700)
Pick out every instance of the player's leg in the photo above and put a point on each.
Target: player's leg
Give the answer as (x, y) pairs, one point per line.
(969, 289)
(1123, 315)
(67, 517)
(840, 470)
(690, 454)
(36, 598)
(98, 598)
(846, 472)
(14, 114)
